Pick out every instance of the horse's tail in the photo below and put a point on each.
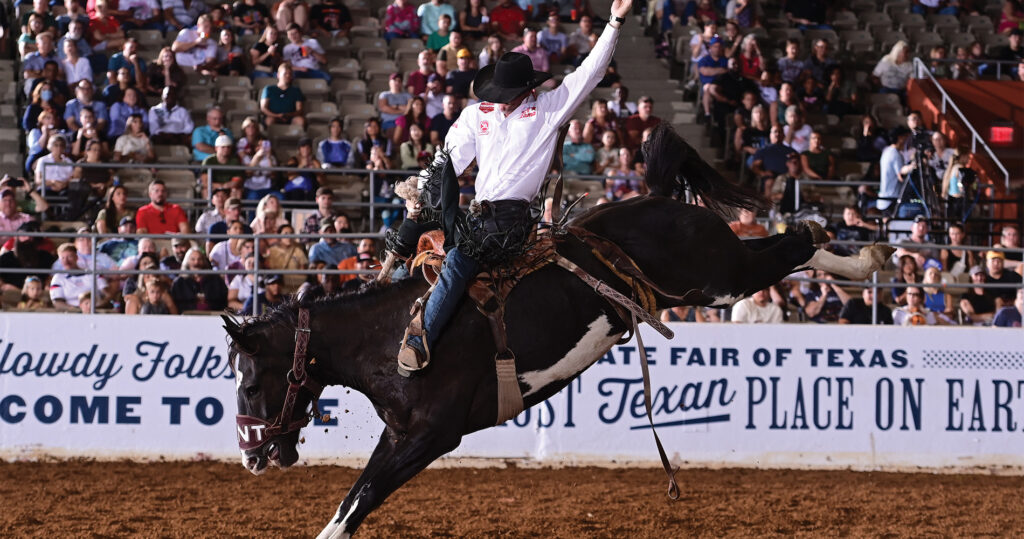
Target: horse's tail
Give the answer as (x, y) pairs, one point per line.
(674, 166)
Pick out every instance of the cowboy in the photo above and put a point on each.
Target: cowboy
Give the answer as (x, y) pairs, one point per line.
(511, 134)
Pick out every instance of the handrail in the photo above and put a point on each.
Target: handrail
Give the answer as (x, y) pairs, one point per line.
(921, 68)
(998, 63)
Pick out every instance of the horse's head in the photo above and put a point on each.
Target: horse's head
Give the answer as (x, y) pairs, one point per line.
(272, 401)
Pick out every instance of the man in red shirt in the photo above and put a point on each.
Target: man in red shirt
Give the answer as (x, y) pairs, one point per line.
(635, 124)
(159, 216)
(508, 20)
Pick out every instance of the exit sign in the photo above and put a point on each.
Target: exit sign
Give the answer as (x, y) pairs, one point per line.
(1001, 134)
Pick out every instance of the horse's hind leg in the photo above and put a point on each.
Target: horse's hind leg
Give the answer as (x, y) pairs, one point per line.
(395, 460)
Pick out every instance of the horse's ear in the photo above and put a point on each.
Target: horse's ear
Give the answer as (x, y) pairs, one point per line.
(233, 329)
(308, 293)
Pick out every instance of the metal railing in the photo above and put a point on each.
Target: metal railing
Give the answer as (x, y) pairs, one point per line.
(947, 102)
(998, 63)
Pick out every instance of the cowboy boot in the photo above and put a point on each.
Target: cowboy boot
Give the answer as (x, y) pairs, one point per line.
(414, 354)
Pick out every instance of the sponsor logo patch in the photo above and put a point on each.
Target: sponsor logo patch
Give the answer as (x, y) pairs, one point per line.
(528, 112)
(485, 127)
(486, 107)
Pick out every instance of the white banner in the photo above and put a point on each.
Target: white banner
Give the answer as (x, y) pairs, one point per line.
(746, 395)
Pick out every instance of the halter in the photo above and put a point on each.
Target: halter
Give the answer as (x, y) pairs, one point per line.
(254, 432)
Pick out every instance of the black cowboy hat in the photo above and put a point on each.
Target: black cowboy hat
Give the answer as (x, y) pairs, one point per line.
(506, 79)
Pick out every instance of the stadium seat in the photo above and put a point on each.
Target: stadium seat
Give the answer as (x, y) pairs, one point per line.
(844, 20)
(176, 178)
(349, 90)
(993, 41)
(910, 22)
(259, 84)
(981, 28)
(10, 135)
(315, 89)
(889, 38)
(365, 26)
(197, 102)
(357, 110)
(149, 40)
(960, 39)
(926, 40)
(403, 44)
(321, 111)
(896, 7)
(172, 153)
(237, 110)
(285, 134)
(317, 132)
(378, 66)
(828, 35)
(875, 20)
(344, 68)
(861, 7)
(370, 47)
(229, 87)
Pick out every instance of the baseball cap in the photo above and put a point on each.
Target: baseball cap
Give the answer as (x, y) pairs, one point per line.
(6, 191)
(305, 141)
(976, 269)
(326, 222)
(463, 53)
(233, 203)
(221, 190)
(1017, 32)
(715, 40)
(932, 263)
(364, 257)
(271, 279)
(29, 226)
(224, 140)
(181, 241)
(898, 132)
(920, 217)
(395, 75)
(126, 219)
(433, 77)
(995, 254)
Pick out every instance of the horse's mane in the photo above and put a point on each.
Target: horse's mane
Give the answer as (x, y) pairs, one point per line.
(673, 166)
(286, 314)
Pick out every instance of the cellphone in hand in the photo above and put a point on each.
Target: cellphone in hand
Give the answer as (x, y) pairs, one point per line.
(266, 144)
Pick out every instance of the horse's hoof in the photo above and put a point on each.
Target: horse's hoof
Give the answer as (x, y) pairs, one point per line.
(818, 234)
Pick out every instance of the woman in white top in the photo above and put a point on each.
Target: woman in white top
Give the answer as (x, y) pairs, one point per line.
(268, 216)
(75, 67)
(241, 286)
(55, 179)
(134, 145)
(228, 252)
(894, 70)
(260, 182)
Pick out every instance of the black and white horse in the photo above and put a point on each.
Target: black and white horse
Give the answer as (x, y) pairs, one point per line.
(556, 326)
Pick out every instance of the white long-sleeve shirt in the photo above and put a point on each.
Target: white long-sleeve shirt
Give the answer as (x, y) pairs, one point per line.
(514, 152)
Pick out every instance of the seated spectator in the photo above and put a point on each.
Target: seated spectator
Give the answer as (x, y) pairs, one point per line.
(160, 216)
(635, 125)
(24, 252)
(752, 137)
(997, 273)
(145, 248)
(858, 310)
(821, 302)
(105, 32)
(956, 261)
(1009, 238)
(305, 55)
(54, 179)
(459, 82)
(129, 105)
(782, 190)
(372, 137)
(1009, 316)
(841, 95)
(393, 103)
(39, 137)
(303, 185)
(232, 212)
(224, 155)
(600, 121)
(174, 261)
(787, 98)
(417, 81)
(33, 297)
(797, 133)
(288, 12)
(553, 40)
(240, 287)
(27, 40)
(114, 211)
(935, 297)
(473, 20)
(251, 17)
(216, 214)
(365, 248)
(507, 20)
(727, 93)
(331, 18)
(430, 14)
(938, 68)
(746, 225)
(288, 254)
(329, 251)
(226, 253)
(853, 228)
(741, 115)
(32, 66)
(941, 155)
(324, 210)
(80, 138)
(45, 96)
(66, 288)
(908, 273)
(441, 35)
(772, 160)
(169, 122)
(129, 59)
(577, 154)
(620, 105)
(112, 93)
(266, 56)
(709, 66)
(181, 14)
(750, 60)
(98, 179)
(144, 14)
(283, 103)
(152, 298)
(607, 155)
(433, 97)
(230, 60)
(491, 52)
(249, 138)
(791, 68)
(334, 151)
(10, 217)
(196, 48)
(757, 309)
(134, 145)
(705, 12)
(819, 64)
(83, 99)
(120, 249)
(977, 305)
(915, 313)
(623, 180)
(204, 137)
(416, 114)
(269, 216)
(818, 163)
(165, 72)
(74, 12)
(194, 292)
(811, 96)
(401, 21)
(893, 71)
(441, 123)
(260, 182)
(271, 296)
(871, 141)
(416, 153)
(75, 67)
(364, 262)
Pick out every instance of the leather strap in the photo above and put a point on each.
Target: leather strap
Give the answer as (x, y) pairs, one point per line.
(510, 396)
(673, 488)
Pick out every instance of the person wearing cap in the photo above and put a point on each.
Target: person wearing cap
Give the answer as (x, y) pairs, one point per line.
(393, 102)
(205, 137)
(512, 135)
(232, 213)
(977, 305)
(305, 54)
(120, 249)
(329, 252)
(782, 189)
(303, 185)
(433, 96)
(215, 214)
(893, 171)
(458, 82)
(271, 296)
(224, 155)
(918, 236)
(10, 217)
(324, 210)
(711, 65)
(996, 273)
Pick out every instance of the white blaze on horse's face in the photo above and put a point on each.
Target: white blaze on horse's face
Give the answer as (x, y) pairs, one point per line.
(591, 347)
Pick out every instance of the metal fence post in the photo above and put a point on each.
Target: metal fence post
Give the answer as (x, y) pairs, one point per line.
(373, 199)
(255, 274)
(874, 303)
(92, 302)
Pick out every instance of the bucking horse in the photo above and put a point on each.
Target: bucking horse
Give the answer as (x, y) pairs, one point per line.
(556, 325)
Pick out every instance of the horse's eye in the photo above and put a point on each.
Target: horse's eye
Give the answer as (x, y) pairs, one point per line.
(252, 390)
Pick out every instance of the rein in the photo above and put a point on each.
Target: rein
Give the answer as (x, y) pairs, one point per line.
(254, 432)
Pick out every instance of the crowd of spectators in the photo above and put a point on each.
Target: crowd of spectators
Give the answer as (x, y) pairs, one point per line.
(98, 90)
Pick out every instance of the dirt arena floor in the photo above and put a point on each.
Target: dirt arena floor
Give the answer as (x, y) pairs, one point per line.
(207, 499)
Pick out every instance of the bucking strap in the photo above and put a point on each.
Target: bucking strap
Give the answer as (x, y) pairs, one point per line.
(673, 488)
(510, 396)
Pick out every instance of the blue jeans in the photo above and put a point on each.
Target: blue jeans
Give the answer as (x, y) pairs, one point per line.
(313, 74)
(456, 273)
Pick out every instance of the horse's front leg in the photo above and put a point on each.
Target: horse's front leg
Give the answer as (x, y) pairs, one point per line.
(394, 461)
